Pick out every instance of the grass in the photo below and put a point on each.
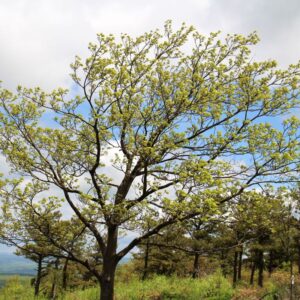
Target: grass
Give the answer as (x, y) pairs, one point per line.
(16, 288)
(212, 287)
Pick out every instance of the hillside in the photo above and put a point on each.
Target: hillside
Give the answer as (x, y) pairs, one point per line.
(13, 264)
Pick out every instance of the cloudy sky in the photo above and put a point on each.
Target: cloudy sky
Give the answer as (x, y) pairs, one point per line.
(39, 38)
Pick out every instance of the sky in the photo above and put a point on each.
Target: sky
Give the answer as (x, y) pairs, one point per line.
(39, 39)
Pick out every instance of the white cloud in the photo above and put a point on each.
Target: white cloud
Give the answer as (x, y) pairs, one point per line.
(4, 167)
(39, 38)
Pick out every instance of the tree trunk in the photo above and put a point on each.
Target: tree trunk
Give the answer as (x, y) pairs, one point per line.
(107, 281)
(235, 265)
(299, 258)
(65, 274)
(240, 264)
(223, 266)
(38, 277)
(196, 270)
(252, 273)
(292, 280)
(53, 287)
(260, 268)
(146, 259)
(53, 291)
(271, 258)
(109, 265)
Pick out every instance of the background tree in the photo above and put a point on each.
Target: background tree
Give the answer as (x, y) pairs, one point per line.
(173, 117)
(21, 223)
(34, 227)
(164, 254)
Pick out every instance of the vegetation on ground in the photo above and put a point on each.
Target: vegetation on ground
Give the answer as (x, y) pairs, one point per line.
(210, 287)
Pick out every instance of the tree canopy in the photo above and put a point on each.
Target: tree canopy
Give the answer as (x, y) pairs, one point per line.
(186, 120)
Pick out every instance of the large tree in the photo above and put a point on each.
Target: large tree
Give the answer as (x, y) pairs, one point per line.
(167, 110)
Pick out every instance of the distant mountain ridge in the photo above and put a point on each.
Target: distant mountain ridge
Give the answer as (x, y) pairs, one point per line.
(13, 264)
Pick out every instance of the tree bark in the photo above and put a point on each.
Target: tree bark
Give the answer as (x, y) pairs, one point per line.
(38, 277)
(235, 266)
(299, 258)
(146, 259)
(107, 280)
(196, 270)
(271, 258)
(53, 291)
(260, 268)
(65, 274)
(240, 264)
(223, 266)
(53, 287)
(292, 280)
(253, 267)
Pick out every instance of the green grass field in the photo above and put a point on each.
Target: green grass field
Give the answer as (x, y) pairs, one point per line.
(159, 287)
(211, 287)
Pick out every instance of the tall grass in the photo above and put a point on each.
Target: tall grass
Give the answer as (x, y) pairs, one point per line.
(129, 287)
(213, 287)
(17, 288)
